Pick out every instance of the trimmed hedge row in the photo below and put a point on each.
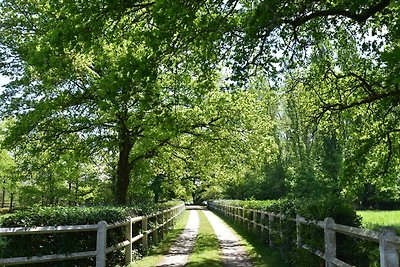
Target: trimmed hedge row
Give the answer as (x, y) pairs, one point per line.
(354, 251)
(65, 243)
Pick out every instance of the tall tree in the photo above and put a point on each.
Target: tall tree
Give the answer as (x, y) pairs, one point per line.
(126, 78)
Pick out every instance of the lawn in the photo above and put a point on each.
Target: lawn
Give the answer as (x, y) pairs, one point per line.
(374, 219)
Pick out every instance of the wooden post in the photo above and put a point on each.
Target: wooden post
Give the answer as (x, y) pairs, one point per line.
(389, 256)
(249, 219)
(167, 216)
(144, 231)
(270, 230)
(330, 242)
(298, 229)
(128, 248)
(236, 215)
(101, 244)
(262, 223)
(254, 221)
(155, 230)
(162, 224)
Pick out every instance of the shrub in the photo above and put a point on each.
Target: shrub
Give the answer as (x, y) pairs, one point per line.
(65, 243)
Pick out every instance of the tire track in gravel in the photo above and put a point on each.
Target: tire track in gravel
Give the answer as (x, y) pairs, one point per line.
(179, 254)
(233, 253)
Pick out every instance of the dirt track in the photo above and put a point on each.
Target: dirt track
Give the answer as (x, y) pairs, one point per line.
(179, 254)
(232, 251)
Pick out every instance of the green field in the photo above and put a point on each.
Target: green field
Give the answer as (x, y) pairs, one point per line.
(374, 219)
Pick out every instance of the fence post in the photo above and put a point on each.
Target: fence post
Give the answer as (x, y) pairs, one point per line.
(144, 231)
(254, 221)
(262, 219)
(388, 252)
(128, 248)
(298, 229)
(270, 230)
(162, 224)
(155, 230)
(168, 222)
(249, 219)
(330, 242)
(101, 244)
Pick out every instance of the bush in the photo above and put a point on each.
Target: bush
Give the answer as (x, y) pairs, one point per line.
(65, 243)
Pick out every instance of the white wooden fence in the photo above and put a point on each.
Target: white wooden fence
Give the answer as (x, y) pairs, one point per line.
(163, 221)
(389, 243)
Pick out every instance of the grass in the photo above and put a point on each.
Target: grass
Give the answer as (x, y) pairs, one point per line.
(156, 254)
(206, 251)
(259, 252)
(375, 219)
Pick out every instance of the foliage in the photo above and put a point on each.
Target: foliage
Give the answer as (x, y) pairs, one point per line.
(128, 92)
(249, 204)
(271, 98)
(46, 244)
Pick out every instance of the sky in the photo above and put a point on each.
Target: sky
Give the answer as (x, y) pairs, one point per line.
(3, 81)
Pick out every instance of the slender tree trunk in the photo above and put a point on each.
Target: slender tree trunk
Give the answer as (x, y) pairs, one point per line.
(11, 201)
(3, 197)
(70, 193)
(123, 169)
(76, 193)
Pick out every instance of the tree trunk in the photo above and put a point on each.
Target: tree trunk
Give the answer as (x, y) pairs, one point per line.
(76, 195)
(11, 201)
(70, 193)
(123, 170)
(3, 197)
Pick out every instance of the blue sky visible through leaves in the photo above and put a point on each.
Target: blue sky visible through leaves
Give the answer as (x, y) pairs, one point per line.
(3, 80)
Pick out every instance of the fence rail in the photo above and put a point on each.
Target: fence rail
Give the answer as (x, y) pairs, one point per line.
(163, 220)
(389, 243)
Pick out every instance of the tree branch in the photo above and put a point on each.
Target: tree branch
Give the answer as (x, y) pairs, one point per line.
(371, 99)
(359, 18)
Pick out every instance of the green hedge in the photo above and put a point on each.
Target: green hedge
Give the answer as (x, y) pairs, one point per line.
(64, 243)
(351, 250)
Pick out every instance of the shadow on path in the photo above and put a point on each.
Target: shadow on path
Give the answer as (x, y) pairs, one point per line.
(233, 253)
(179, 253)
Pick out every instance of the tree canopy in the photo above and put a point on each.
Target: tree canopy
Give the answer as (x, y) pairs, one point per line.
(269, 97)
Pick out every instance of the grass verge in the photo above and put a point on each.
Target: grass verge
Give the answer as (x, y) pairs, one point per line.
(375, 219)
(156, 254)
(259, 252)
(206, 251)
